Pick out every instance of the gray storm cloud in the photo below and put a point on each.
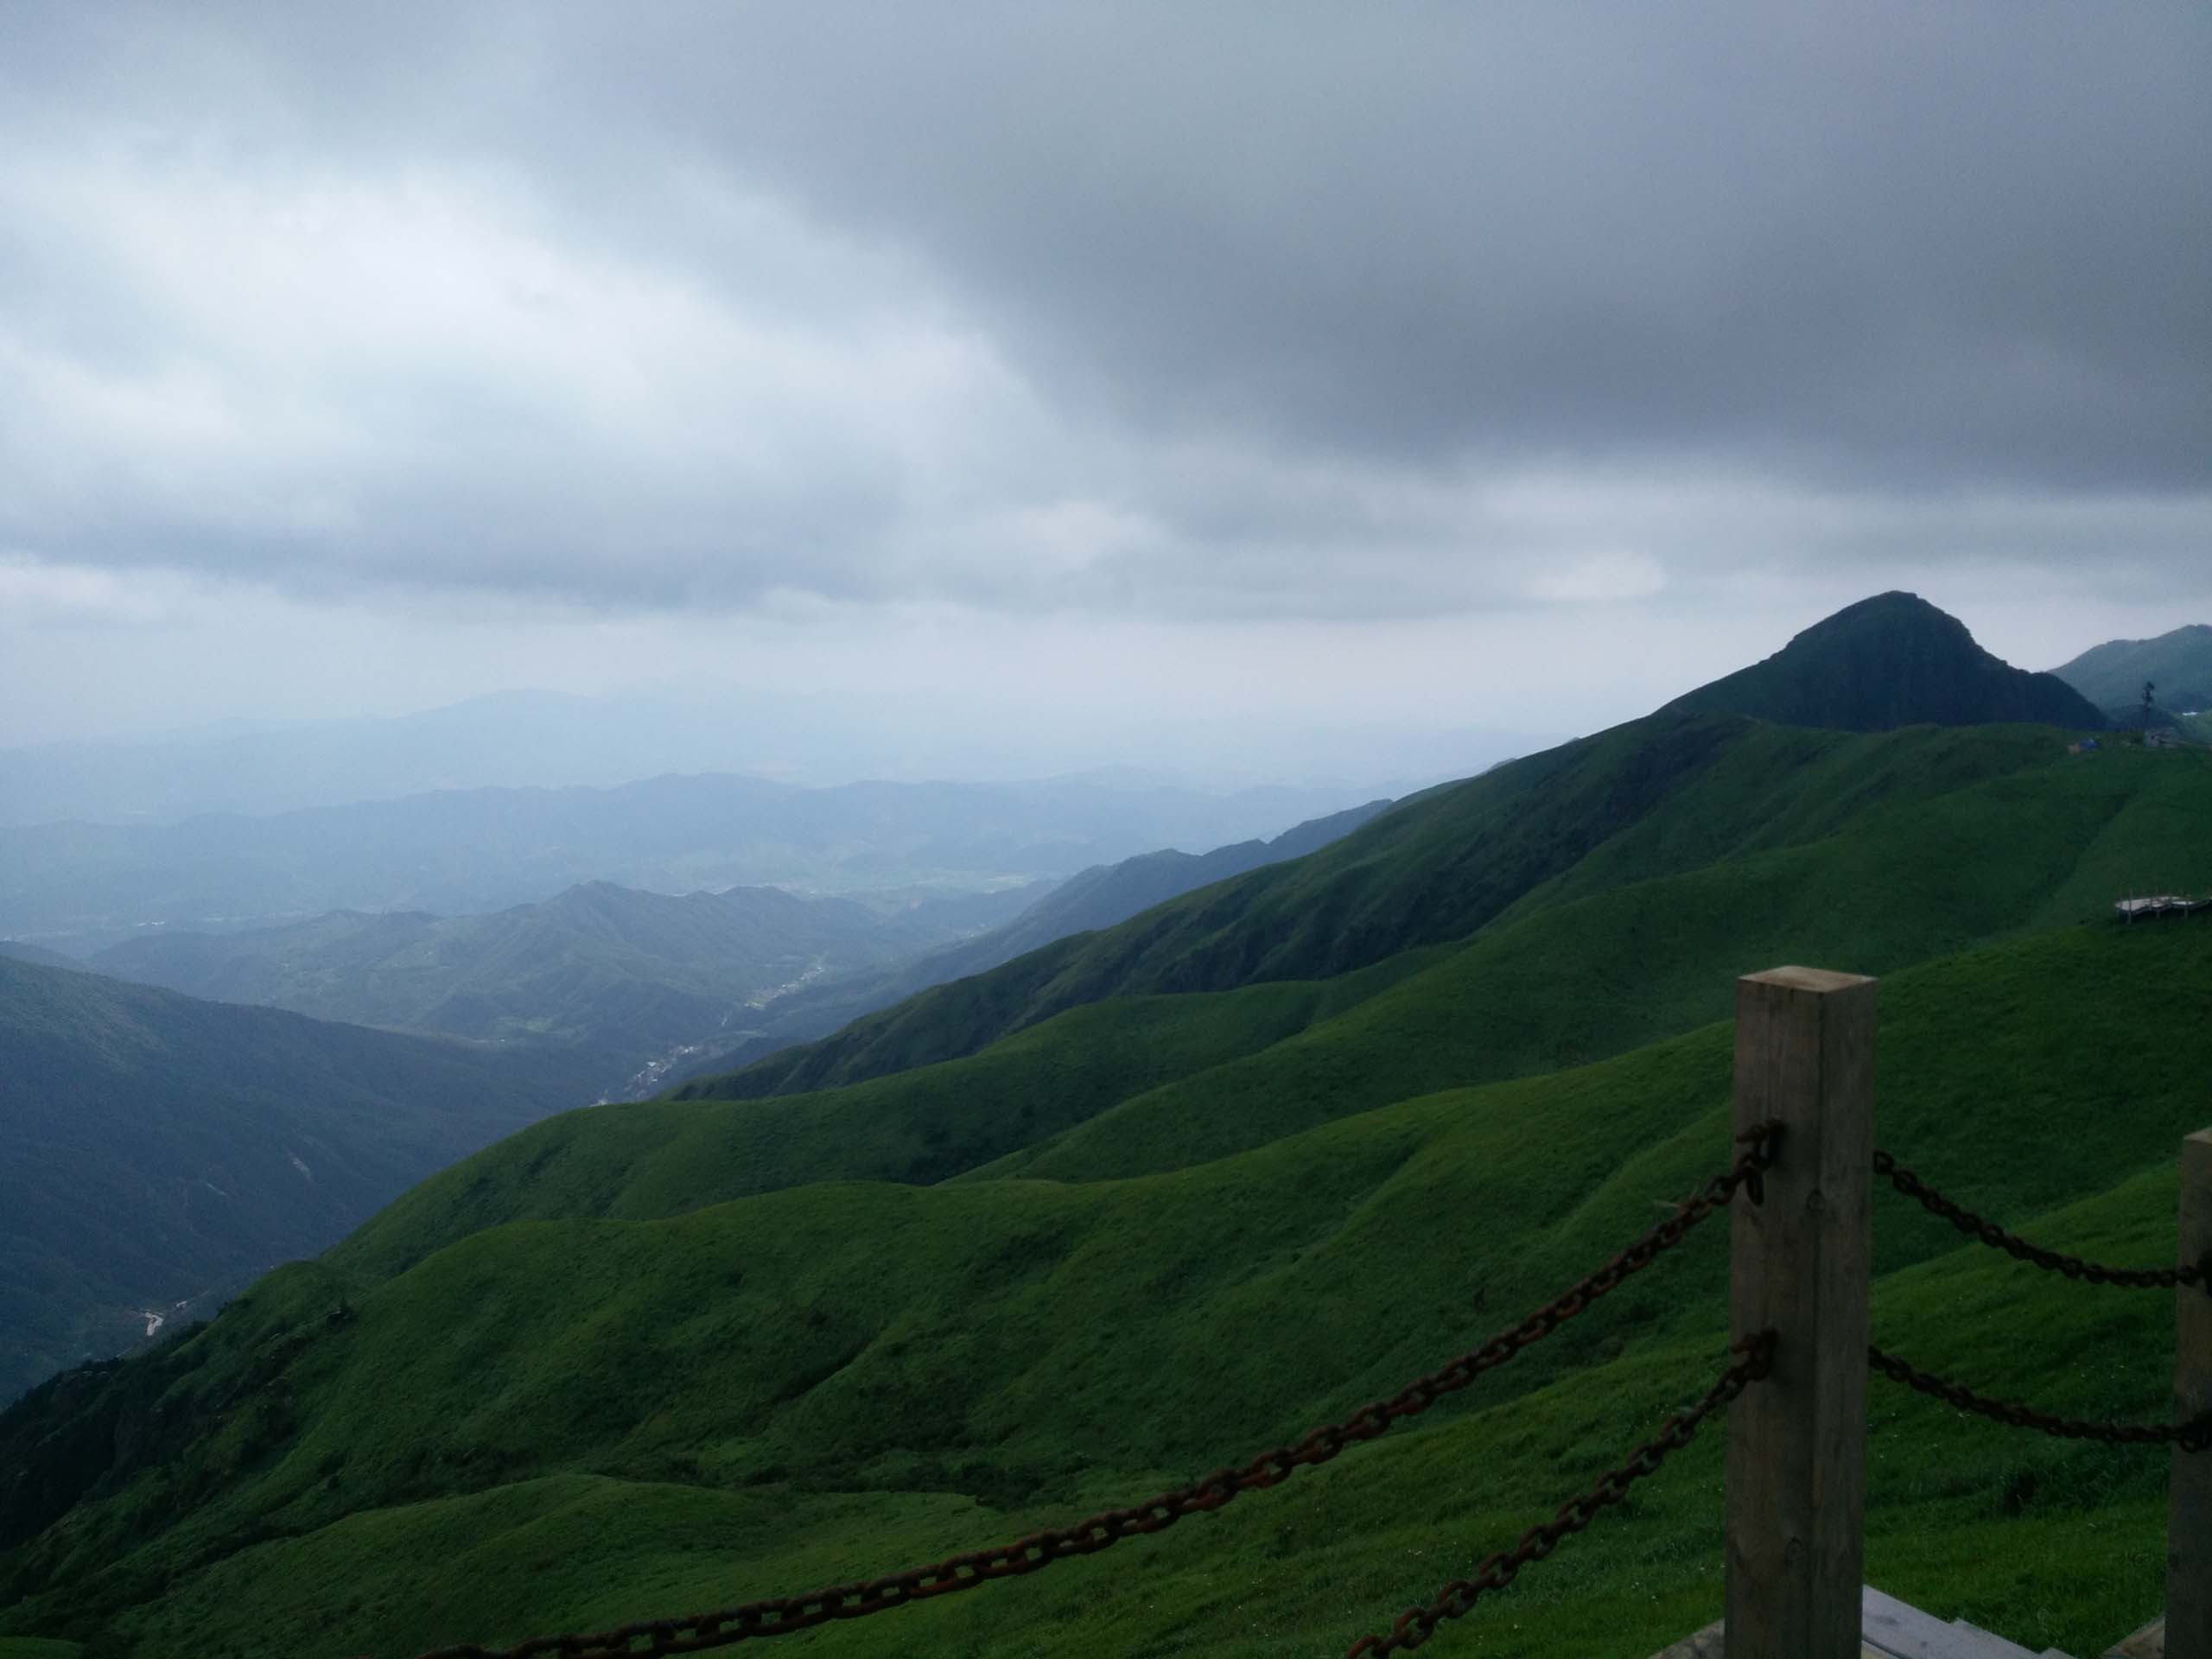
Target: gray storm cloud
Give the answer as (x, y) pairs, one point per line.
(1225, 310)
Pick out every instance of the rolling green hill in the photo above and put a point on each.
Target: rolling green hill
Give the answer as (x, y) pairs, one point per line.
(1157, 1197)
(613, 976)
(161, 1151)
(2180, 663)
(1885, 867)
(1661, 798)
(1890, 661)
(823, 1382)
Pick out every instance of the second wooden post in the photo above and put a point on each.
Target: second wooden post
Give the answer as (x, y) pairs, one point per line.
(1799, 1266)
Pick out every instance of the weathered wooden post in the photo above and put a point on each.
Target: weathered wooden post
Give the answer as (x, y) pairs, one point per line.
(2189, 1523)
(1799, 1266)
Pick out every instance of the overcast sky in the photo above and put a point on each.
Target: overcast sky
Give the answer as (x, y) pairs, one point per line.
(1464, 365)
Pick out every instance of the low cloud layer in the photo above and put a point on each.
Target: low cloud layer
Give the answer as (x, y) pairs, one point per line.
(1249, 313)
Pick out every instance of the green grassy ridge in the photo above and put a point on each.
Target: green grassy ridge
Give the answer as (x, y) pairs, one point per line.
(1107, 1090)
(2049, 1542)
(1586, 976)
(1432, 870)
(1298, 1571)
(1791, 786)
(1037, 1346)
(1662, 796)
(663, 1157)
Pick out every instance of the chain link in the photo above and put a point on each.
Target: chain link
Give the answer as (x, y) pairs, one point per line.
(1416, 1625)
(2074, 1267)
(781, 1616)
(2195, 1435)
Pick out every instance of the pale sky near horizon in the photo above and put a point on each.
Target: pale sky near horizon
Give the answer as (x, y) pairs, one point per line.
(1511, 366)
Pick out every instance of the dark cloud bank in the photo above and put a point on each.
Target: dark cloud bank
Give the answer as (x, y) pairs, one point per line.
(1227, 309)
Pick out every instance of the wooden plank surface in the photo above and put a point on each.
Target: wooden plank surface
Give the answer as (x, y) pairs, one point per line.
(1889, 1628)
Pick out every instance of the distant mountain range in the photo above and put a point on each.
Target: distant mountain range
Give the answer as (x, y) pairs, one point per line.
(2111, 674)
(471, 851)
(161, 1151)
(630, 985)
(553, 740)
(1890, 661)
(614, 978)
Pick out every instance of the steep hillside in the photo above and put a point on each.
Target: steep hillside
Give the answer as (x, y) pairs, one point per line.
(1890, 661)
(614, 976)
(1662, 796)
(563, 1425)
(1427, 872)
(1693, 785)
(1872, 852)
(2111, 674)
(163, 1151)
(1105, 894)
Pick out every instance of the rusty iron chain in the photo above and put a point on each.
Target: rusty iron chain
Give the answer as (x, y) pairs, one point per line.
(2195, 1435)
(1416, 1625)
(784, 1615)
(2074, 1267)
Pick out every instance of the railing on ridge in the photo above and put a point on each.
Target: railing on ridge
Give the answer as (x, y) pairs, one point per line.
(1794, 1389)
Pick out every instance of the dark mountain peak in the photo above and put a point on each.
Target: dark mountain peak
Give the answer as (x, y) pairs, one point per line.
(1889, 661)
(1895, 609)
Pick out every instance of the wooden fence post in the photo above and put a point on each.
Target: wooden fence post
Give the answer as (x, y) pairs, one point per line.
(2189, 1524)
(1799, 1265)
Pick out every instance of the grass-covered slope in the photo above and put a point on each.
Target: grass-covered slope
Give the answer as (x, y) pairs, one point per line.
(1107, 894)
(157, 1150)
(1890, 661)
(1869, 852)
(1161, 1195)
(1660, 797)
(1431, 871)
(551, 1425)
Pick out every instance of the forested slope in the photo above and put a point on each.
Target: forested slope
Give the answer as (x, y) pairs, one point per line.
(163, 1151)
